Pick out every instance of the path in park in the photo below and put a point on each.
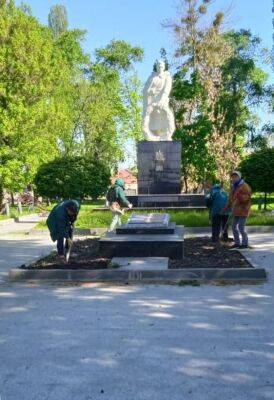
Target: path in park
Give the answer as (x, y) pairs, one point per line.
(92, 342)
(17, 248)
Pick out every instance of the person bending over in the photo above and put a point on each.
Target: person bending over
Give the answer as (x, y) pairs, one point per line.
(60, 223)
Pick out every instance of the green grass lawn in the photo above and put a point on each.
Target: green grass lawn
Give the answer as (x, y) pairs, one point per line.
(91, 218)
(14, 212)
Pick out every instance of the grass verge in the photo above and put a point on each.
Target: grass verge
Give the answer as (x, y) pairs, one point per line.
(90, 218)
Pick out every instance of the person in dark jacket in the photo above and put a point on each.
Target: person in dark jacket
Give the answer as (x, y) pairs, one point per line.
(116, 199)
(216, 200)
(60, 223)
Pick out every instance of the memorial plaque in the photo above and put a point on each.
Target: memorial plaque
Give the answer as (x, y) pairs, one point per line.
(147, 224)
(159, 167)
(148, 220)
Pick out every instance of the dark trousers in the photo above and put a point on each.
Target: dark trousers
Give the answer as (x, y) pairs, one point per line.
(219, 222)
(60, 242)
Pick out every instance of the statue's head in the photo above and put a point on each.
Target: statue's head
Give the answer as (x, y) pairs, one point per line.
(160, 66)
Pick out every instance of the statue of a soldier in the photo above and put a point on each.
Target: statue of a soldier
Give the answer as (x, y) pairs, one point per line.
(158, 118)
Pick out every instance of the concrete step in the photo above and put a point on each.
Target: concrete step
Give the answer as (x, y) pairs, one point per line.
(141, 263)
(203, 275)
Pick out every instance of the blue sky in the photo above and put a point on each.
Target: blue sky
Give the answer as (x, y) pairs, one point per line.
(139, 22)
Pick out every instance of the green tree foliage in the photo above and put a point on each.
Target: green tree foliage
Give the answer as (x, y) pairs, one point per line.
(108, 105)
(119, 55)
(54, 101)
(72, 177)
(202, 51)
(58, 19)
(36, 73)
(243, 85)
(29, 72)
(258, 170)
(262, 139)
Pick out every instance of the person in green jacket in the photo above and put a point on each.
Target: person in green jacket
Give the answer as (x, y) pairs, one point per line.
(60, 223)
(116, 199)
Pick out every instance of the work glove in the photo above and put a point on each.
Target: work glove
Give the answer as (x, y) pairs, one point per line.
(130, 206)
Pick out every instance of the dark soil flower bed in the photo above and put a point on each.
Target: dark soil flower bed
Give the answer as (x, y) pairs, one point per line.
(84, 255)
(202, 253)
(198, 253)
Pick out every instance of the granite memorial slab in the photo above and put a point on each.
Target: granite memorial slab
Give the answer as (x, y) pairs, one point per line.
(159, 167)
(147, 224)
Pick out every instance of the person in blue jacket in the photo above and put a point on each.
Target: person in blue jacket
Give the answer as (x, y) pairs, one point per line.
(216, 201)
(60, 223)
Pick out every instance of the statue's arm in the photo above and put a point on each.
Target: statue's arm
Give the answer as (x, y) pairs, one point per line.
(167, 88)
(146, 92)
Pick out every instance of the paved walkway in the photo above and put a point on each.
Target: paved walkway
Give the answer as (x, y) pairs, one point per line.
(92, 342)
(17, 248)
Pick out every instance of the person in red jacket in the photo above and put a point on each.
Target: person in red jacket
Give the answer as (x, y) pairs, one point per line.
(240, 203)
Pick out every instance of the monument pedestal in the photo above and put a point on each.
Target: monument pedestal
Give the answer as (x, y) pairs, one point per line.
(159, 167)
(149, 235)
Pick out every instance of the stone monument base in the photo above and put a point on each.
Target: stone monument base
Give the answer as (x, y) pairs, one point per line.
(149, 235)
(159, 167)
(160, 201)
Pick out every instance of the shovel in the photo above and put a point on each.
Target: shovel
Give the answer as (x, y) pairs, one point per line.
(68, 247)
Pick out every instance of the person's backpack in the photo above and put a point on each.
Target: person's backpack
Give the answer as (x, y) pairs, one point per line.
(209, 200)
(111, 195)
(222, 198)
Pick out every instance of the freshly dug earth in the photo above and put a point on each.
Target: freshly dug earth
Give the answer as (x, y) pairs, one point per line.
(198, 253)
(202, 253)
(84, 255)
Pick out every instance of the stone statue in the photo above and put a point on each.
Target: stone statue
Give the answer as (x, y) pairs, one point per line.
(158, 118)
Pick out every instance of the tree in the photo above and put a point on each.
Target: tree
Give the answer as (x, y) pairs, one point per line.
(54, 101)
(58, 19)
(262, 139)
(218, 85)
(38, 74)
(243, 86)
(108, 104)
(258, 171)
(29, 73)
(72, 177)
(119, 55)
(202, 51)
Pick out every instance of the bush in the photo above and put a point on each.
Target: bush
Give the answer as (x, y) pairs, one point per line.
(258, 171)
(72, 177)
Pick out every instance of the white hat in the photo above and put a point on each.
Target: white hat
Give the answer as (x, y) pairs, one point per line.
(237, 173)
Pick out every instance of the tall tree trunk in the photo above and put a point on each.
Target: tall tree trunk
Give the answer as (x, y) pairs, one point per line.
(12, 198)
